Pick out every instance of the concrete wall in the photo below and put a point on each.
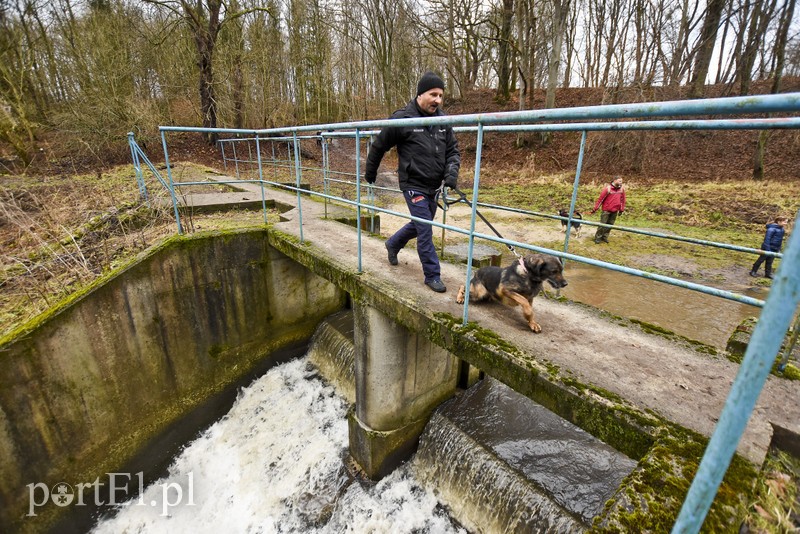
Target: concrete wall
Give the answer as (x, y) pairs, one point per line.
(89, 385)
(400, 378)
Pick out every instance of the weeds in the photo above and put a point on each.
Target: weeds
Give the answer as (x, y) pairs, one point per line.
(775, 506)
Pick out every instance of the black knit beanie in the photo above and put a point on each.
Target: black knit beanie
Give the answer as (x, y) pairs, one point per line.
(428, 81)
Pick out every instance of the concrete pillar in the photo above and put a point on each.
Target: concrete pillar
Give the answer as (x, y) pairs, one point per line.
(400, 378)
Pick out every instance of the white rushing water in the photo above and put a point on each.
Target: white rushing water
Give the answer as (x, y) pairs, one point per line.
(274, 464)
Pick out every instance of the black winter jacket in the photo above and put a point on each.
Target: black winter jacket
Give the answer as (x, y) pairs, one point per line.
(425, 154)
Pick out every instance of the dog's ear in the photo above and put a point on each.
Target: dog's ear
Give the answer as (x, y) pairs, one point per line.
(534, 264)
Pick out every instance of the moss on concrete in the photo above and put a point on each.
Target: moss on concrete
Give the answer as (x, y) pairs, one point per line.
(598, 411)
(96, 429)
(740, 339)
(650, 498)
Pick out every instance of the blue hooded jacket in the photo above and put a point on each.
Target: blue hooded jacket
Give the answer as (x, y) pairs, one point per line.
(773, 239)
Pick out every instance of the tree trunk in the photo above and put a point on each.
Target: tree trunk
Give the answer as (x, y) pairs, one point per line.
(780, 59)
(504, 53)
(756, 35)
(560, 14)
(208, 101)
(708, 36)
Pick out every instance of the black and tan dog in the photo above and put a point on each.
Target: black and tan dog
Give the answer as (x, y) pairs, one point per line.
(517, 284)
(575, 223)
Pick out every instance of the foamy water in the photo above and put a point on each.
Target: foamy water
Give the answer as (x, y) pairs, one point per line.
(273, 464)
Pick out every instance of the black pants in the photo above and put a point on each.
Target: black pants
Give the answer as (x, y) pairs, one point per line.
(767, 260)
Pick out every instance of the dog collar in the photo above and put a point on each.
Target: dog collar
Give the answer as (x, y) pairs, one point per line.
(522, 264)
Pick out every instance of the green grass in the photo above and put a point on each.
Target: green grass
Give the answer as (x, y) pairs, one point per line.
(732, 213)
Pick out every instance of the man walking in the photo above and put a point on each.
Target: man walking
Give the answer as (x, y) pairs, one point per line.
(427, 156)
(612, 201)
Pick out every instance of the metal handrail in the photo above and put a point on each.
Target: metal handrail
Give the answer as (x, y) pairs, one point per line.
(778, 309)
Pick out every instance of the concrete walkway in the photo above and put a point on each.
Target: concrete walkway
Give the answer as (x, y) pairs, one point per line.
(652, 372)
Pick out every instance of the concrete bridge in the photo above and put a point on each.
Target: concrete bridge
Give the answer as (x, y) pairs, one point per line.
(412, 353)
(604, 374)
(581, 352)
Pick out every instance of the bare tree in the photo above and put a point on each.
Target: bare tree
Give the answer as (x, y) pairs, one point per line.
(205, 19)
(756, 33)
(454, 31)
(570, 34)
(705, 47)
(679, 56)
(560, 14)
(781, 40)
(505, 48)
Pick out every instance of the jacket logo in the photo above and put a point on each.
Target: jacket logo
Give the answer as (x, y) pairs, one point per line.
(416, 199)
(418, 130)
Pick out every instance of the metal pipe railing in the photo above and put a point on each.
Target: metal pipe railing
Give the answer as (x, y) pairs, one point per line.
(762, 123)
(759, 357)
(778, 309)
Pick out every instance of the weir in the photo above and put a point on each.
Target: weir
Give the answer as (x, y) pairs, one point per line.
(88, 384)
(409, 351)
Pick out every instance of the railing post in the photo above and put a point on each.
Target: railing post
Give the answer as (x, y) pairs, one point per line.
(171, 184)
(298, 174)
(137, 167)
(249, 155)
(221, 144)
(358, 195)
(261, 179)
(790, 347)
(575, 186)
(235, 159)
(325, 175)
(478, 150)
(371, 195)
(761, 352)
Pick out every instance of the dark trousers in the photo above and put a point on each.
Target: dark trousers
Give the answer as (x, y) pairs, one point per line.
(424, 207)
(767, 260)
(606, 217)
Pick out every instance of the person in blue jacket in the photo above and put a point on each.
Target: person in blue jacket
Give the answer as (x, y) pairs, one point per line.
(773, 240)
(427, 159)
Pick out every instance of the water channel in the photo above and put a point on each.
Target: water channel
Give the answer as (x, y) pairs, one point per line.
(691, 314)
(698, 316)
(490, 460)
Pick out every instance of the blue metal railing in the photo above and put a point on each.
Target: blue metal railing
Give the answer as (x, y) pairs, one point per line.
(326, 172)
(778, 308)
(138, 156)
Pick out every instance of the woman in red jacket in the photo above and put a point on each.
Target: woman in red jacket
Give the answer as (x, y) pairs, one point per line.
(612, 201)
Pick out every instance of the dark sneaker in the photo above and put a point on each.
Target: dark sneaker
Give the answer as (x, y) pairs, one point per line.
(754, 274)
(436, 285)
(392, 255)
(768, 276)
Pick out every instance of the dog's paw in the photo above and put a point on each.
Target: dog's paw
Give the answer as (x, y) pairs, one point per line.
(535, 328)
(460, 296)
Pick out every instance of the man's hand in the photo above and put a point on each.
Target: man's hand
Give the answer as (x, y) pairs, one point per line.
(451, 176)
